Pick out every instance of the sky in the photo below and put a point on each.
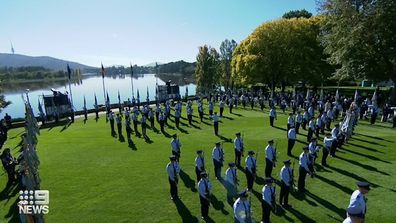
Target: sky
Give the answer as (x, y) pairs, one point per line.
(119, 32)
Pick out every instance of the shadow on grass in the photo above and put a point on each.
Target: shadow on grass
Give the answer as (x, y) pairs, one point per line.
(280, 128)
(366, 141)
(351, 175)
(229, 118)
(166, 134)
(364, 166)
(131, 144)
(346, 190)
(184, 212)
(195, 126)
(16, 135)
(183, 130)
(218, 205)
(51, 125)
(364, 147)
(374, 137)
(302, 217)
(147, 139)
(188, 182)
(225, 139)
(206, 123)
(237, 114)
(282, 213)
(339, 211)
(365, 155)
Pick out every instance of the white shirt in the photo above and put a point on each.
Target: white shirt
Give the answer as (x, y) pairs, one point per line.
(204, 187)
(304, 161)
(215, 118)
(299, 118)
(290, 120)
(327, 142)
(357, 201)
(334, 132)
(292, 134)
(238, 144)
(273, 113)
(200, 163)
(285, 175)
(270, 153)
(267, 193)
(218, 154)
(312, 124)
(175, 143)
(347, 220)
(173, 170)
(250, 164)
(241, 210)
(231, 176)
(313, 148)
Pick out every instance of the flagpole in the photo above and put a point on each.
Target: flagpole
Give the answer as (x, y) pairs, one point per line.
(133, 94)
(104, 89)
(71, 94)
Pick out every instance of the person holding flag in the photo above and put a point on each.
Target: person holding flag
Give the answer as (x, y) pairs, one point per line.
(85, 110)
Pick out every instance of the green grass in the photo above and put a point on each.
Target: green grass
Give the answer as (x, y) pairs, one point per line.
(93, 177)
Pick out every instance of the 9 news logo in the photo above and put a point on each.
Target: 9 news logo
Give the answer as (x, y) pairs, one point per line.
(33, 202)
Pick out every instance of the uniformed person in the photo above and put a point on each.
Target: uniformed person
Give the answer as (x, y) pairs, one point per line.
(231, 182)
(119, 124)
(218, 159)
(353, 216)
(135, 122)
(291, 137)
(162, 121)
(268, 201)
(157, 111)
(250, 169)
(242, 208)
(305, 119)
(336, 135)
(151, 118)
(299, 120)
(313, 154)
(238, 146)
(290, 121)
(358, 199)
(327, 144)
(200, 111)
(199, 164)
(311, 129)
(272, 116)
(111, 118)
(173, 171)
(216, 123)
(9, 164)
(189, 114)
(204, 188)
(210, 107)
(286, 177)
(176, 145)
(303, 169)
(270, 158)
(221, 105)
(128, 128)
(144, 125)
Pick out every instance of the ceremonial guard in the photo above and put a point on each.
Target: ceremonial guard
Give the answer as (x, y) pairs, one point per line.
(157, 111)
(299, 120)
(311, 129)
(210, 107)
(111, 118)
(242, 209)
(216, 123)
(336, 135)
(287, 182)
(218, 159)
(162, 121)
(291, 136)
(231, 182)
(177, 118)
(313, 153)
(199, 164)
(200, 111)
(204, 188)
(144, 125)
(270, 158)
(128, 128)
(268, 202)
(238, 146)
(327, 144)
(189, 114)
(250, 170)
(173, 171)
(305, 119)
(221, 105)
(358, 199)
(135, 122)
(304, 169)
(176, 145)
(151, 118)
(272, 116)
(290, 121)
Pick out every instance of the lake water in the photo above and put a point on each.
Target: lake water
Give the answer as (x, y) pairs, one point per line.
(89, 86)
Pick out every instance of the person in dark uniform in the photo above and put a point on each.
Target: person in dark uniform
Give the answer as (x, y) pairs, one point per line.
(268, 200)
(204, 188)
(176, 147)
(173, 170)
(303, 169)
(119, 124)
(128, 129)
(199, 164)
(272, 116)
(144, 125)
(250, 169)
(286, 176)
(189, 114)
(111, 118)
(151, 118)
(9, 164)
(135, 122)
(216, 123)
(200, 111)
(218, 159)
(162, 121)
(238, 146)
(270, 158)
(177, 118)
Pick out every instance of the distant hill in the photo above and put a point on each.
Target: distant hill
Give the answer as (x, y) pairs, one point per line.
(17, 60)
(152, 64)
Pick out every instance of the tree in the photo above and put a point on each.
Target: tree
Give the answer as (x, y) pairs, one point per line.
(3, 102)
(297, 14)
(281, 51)
(360, 37)
(227, 47)
(206, 70)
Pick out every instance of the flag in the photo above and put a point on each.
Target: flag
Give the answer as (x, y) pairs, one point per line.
(147, 97)
(356, 96)
(40, 108)
(96, 102)
(186, 91)
(103, 71)
(107, 100)
(119, 99)
(307, 97)
(131, 70)
(85, 104)
(337, 96)
(68, 71)
(138, 96)
(374, 98)
(321, 95)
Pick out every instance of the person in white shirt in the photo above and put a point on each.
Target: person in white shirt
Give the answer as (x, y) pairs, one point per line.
(305, 119)
(204, 188)
(176, 145)
(313, 153)
(353, 216)
(290, 121)
(231, 182)
(238, 146)
(250, 169)
(242, 208)
(218, 158)
(358, 200)
(299, 120)
(272, 116)
(318, 126)
(303, 169)
(173, 171)
(210, 107)
(268, 201)
(291, 136)
(199, 164)
(286, 177)
(335, 134)
(270, 158)
(327, 143)
(311, 129)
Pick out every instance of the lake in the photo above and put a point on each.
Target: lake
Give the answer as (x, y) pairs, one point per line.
(88, 86)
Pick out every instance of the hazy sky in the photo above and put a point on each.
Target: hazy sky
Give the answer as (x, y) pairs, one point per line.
(120, 31)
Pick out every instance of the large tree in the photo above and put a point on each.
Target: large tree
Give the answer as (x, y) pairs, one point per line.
(207, 69)
(360, 36)
(227, 47)
(281, 51)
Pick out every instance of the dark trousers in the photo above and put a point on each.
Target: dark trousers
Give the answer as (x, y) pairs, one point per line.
(272, 121)
(97, 114)
(119, 129)
(152, 122)
(268, 167)
(284, 194)
(112, 126)
(231, 109)
(304, 124)
(266, 209)
(216, 127)
(309, 135)
(394, 121)
(373, 118)
(290, 145)
(162, 125)
(301, 179)
(217, 168)
(333, 147)
(173, 188)
(238, 158)
(144, 128)
(135, 124)
(221, 111)
(177, 155)
(201, 116)
(328, 123)
(128, 132)
(198, 173)
(189, 119)
(157, 116)
(325, 155)
(317, 131)
(204, 206)
(297, 126)
(250, 179)
(177, 121)
(210, 112)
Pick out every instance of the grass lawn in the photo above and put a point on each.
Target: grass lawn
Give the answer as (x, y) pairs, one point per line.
(93, 177)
